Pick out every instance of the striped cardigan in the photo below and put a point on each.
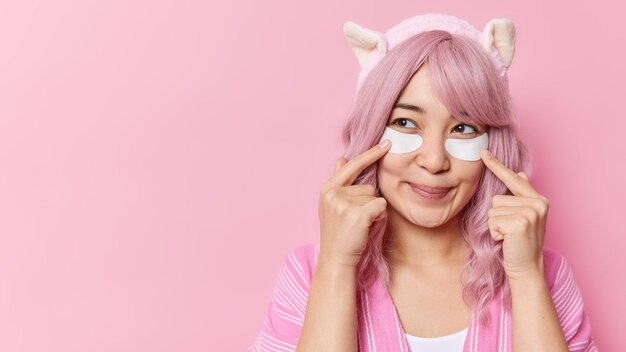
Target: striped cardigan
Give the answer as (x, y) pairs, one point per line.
(379, 328)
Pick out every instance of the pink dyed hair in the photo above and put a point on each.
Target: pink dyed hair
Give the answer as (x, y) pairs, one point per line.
(468, 84)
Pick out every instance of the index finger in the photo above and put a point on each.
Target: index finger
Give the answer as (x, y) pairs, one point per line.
(346, 175)
(514, 182)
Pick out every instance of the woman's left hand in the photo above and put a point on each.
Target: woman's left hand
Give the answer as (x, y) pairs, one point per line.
(519, 220)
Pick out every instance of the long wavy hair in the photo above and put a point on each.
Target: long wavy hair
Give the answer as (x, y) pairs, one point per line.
(468, 84)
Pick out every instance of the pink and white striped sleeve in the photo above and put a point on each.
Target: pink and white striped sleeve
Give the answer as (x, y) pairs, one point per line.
(569, 305)
(287, 306)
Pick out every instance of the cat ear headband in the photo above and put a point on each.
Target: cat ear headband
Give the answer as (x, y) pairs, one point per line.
(369, 46)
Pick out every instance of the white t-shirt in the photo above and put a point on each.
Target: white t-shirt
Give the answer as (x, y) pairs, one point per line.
(448, 343)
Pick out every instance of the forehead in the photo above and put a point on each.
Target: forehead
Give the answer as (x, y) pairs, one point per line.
(419, 86)
(418, 98)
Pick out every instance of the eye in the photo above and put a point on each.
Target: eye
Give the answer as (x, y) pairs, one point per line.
(403, 122)
(463, 128)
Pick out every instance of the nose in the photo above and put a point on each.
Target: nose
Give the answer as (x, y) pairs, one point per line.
(432, 154)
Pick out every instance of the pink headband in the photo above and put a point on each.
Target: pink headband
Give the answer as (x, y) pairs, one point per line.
(369, 46)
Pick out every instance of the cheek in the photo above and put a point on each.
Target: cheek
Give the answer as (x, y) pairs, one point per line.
(468, 178)
(470, 173)
(390, 166)
(389, 171)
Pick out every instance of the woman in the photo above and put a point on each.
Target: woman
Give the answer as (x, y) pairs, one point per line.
(428, 242)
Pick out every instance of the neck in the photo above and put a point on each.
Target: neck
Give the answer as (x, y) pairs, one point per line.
(424, 247)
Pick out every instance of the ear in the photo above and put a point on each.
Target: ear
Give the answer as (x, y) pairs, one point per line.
(500, 34)
(363, 41)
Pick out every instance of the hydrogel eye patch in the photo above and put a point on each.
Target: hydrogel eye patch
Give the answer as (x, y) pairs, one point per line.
(463, 149)
(467, 149)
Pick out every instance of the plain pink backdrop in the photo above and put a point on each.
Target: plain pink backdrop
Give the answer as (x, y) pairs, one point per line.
(160, 158)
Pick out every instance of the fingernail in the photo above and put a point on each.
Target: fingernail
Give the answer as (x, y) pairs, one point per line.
(384, 144)
(487, 153)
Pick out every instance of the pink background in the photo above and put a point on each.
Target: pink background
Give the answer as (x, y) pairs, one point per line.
(160, 158)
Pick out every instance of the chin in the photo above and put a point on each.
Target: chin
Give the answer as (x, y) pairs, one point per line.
(424, 220)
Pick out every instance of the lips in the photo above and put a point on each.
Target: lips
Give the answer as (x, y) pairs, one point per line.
(430, 193)
(431, 189)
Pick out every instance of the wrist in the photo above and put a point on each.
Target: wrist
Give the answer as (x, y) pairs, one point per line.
(335, 275)
(336, 261)
(531, 272)
(527, 280)
(335, 264)
(334, 268)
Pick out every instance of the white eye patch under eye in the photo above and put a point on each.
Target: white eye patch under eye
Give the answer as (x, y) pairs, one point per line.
(467, 149)
(463, 149)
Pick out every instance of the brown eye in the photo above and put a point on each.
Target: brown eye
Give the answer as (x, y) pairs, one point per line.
(402, 122)
(463, 130)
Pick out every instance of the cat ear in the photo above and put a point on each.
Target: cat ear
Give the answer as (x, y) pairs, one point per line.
(364, 41)
(499, 33)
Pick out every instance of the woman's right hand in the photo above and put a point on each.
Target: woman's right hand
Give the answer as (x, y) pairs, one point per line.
(347, 211)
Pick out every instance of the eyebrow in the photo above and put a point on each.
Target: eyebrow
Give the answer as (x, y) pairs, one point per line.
(415, 108)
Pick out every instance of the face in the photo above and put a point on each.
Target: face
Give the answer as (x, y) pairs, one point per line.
(400, 176)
